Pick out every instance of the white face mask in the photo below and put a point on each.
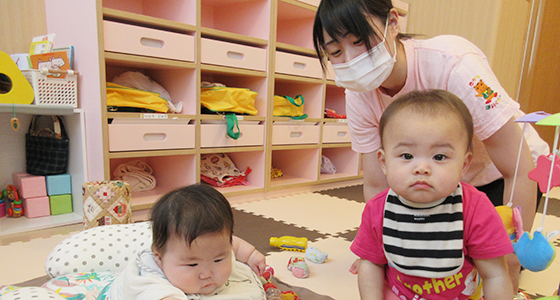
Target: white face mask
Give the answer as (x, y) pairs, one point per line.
(367, 71)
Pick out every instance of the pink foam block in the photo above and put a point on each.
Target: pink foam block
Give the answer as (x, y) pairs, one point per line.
(36, 207)
(29, 186)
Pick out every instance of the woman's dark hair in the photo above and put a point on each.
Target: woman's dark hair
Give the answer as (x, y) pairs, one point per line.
(190, 212)
(341, 17)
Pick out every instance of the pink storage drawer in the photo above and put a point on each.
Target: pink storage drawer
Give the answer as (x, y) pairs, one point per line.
(215, 135)
(290, 134)
(149, 136)
(144, 41)
(232, 55)
(336, 133)
(293, 64)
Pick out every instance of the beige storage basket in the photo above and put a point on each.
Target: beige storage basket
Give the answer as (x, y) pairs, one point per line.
(106, 203)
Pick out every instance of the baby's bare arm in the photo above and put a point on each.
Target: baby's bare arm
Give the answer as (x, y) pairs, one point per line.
(246, 253)
(495, 275)
(371, 279)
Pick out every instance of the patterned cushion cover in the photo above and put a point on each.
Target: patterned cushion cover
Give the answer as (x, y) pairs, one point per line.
(100, 249)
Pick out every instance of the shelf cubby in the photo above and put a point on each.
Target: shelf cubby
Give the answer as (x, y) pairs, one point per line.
(253, 158)
(13, 160)
(250, 80)
(310, 89)
(170, 172)
(299, 166)
(237, 17)
(345, 161)
(181, 11)
(180, 83)
(335, 99)
(295, 26)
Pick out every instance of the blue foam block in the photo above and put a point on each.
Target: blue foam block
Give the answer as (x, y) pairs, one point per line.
(58, 184)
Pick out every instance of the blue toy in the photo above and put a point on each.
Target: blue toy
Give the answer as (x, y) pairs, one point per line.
(537, 253)
(534, 254)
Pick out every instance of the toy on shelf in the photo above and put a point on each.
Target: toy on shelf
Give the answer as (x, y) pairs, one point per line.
(331, 113)
(14, 88)
(276, 173)
(537, 253)
(289, 243)
(15, 207)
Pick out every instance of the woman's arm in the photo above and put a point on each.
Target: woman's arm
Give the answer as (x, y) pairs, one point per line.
(371, 280)
(503, 147)
(246, 253)
(495, 278)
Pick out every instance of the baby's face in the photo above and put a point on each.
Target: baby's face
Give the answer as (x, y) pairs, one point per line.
(424, 158)
(199, 269)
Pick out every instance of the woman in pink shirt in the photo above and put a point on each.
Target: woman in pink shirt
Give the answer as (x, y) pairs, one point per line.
(376, 64)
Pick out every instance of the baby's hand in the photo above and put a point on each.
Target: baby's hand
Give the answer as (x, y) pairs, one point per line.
(257, 262)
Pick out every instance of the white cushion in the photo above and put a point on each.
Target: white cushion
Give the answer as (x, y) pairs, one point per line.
(100, 249)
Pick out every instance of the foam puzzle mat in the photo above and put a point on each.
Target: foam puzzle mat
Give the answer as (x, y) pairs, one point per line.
(330, 220)
(330, 224)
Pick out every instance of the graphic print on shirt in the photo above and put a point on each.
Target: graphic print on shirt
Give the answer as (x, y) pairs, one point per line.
(430, 287)
(491, 98)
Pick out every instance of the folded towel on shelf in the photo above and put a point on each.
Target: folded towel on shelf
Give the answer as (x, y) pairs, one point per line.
(137, 174)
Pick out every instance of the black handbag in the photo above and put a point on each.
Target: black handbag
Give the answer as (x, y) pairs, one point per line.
(46, 150)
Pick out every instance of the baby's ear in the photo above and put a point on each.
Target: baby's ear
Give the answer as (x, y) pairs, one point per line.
(157, 256)
(381, 160)
(467, 162)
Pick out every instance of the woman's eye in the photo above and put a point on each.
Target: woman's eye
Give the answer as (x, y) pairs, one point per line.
(407, 156)
(439, 157)
(359, 42)
(335, 53)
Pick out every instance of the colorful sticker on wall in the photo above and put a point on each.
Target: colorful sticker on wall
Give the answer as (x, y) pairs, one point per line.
(491, 98)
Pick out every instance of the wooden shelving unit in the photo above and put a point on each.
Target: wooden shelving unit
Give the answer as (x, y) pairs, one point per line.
(279, 30)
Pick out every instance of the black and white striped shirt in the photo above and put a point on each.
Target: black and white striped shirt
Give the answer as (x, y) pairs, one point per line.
(424, 240)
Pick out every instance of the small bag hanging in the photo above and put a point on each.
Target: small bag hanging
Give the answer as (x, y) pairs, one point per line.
(286, 106)
(46, 150)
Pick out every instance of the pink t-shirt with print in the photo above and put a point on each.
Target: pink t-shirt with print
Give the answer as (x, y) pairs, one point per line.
(484, 237)
(454, 64)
